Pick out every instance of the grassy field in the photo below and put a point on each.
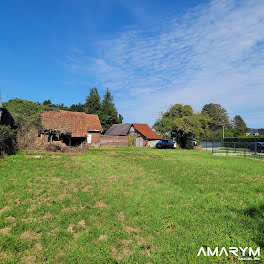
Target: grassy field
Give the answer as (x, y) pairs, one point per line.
(128, 205)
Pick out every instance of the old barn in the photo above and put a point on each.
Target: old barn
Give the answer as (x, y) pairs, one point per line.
(71, 128)
(139, 135)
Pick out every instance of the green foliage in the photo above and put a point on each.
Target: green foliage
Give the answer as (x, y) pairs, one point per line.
(182, 123)
(26, 113)
(218, 115)
(7, 140)
(245, 139)
(93, 102)
(160, 126)
(108, 114)
(49, 104)
(77, 108)
(239, 126)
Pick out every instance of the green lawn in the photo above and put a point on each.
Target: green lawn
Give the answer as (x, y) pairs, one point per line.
(128, 205)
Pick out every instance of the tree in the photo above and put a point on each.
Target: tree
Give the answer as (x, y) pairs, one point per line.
(93, 102)
(77, 108)
(182, 123)
(239, 126)
(218, 114)
(218, 118)
(47, 103)
(108, 114)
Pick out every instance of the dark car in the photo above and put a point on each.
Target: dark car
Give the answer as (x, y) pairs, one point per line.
(166, 143)
(259, 148)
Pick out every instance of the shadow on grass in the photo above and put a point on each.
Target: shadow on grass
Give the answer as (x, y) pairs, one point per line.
(256, 215)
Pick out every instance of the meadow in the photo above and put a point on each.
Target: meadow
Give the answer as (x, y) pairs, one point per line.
(128, 205)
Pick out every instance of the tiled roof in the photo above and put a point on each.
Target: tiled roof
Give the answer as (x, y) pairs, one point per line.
(118, 130)
(146, 131)
(75, 123)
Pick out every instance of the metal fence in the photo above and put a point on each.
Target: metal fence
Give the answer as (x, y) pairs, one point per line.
(243, 149)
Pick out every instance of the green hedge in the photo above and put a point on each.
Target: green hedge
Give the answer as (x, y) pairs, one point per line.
(7, 141)
(245, 139)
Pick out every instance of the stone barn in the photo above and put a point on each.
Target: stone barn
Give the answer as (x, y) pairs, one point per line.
(71, 128)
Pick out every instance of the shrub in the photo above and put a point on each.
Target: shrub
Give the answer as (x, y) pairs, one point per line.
(7, 141)
(245, 139)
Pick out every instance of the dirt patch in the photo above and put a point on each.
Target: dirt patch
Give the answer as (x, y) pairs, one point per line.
(65, 210)
(38, 246)
(64, 196)
(81, 224)
(29, 235)
(70, 228)
(101, 204)
(55, 156)
(130, 229)
(122, 254)
(87, 188)
(5, 231)
(34, 156)
(103, 238)
(11, 219)
(28, 259)
(47, 216)
(121, 216)
(126, 242)
(3, 210)
(32, 208)
(57, 180)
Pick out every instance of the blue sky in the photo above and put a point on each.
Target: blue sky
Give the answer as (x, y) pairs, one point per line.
(150, 53)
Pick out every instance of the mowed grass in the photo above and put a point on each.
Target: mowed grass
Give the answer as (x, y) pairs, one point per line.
(128, 205)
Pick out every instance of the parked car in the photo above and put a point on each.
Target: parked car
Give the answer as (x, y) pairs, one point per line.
(166, 143)
(260, 147)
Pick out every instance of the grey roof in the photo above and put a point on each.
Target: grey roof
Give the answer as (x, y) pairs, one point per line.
(118, 130)
(259, 130)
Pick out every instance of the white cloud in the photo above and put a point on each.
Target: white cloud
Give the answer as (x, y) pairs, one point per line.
(214, 53)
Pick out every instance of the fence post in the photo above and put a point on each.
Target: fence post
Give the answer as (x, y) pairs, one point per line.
(226, 149)
(206, 145)
(255, 149)
(244, 149)
(235, 146)
(213, 147)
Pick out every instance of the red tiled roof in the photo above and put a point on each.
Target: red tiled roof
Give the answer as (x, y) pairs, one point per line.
(75, 123)
(146, 131)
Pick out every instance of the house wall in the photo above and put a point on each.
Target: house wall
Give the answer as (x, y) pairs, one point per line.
(107, 140)
(133, 133)
(152, 143)
(96, 138)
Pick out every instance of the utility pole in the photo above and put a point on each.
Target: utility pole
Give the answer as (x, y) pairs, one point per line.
(1, 106)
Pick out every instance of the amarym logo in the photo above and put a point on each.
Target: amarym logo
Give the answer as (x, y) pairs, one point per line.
(208, 252)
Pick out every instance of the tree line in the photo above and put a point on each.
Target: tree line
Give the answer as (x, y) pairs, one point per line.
(26, 113)
(183, 124)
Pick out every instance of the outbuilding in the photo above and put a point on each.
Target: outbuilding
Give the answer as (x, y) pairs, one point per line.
(139, 135)
(71, 128)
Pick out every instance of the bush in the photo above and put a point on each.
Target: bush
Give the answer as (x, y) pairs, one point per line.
(245, 139)
(7, 141)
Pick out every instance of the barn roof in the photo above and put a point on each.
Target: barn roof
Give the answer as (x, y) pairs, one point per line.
(75, 123)
(146, 131)
(118, 130)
